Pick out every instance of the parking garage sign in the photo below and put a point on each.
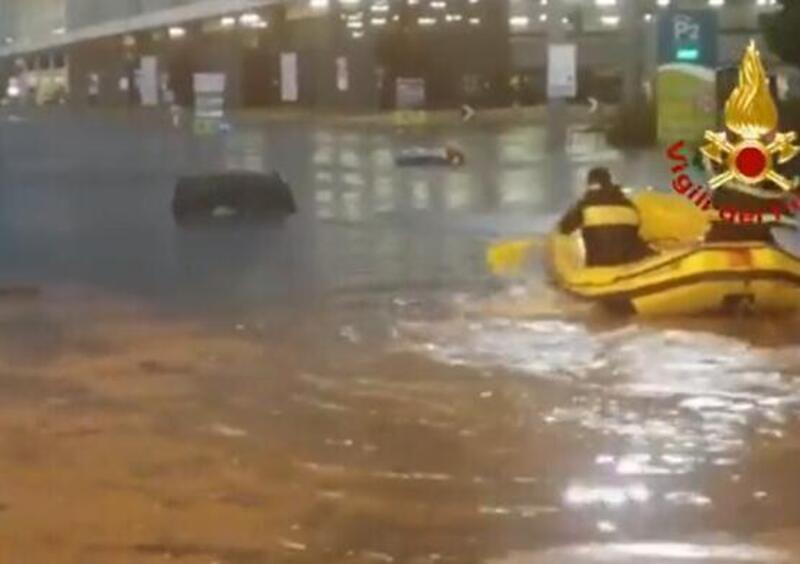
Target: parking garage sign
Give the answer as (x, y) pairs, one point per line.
(688, 36)
(686, 81)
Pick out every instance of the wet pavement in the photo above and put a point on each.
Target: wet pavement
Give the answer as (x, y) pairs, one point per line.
(350, 386)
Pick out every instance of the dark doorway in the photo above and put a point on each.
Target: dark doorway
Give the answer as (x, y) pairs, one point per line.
(259, 78)
(181, 76)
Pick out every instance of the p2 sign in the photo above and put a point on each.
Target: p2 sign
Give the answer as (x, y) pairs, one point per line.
(688, 36)
(686, 82)
(685, 28)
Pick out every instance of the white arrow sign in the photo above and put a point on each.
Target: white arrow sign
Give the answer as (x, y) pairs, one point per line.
(467, 112)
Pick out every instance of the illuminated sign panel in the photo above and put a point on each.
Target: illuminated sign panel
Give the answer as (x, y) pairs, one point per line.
(687, 54)
(688, 36)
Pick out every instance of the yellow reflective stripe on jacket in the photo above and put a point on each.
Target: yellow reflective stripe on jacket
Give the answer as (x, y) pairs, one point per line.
(595, 216)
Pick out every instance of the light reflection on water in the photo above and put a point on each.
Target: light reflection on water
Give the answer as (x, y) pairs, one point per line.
(673, 417)
(635, 553)
(719, 383)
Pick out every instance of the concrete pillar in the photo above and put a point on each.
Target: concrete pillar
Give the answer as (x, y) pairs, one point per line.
(360, 57)
(635, 52)
(556, 107)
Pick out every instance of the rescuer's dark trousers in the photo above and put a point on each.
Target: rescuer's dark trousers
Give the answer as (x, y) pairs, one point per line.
(612, 245)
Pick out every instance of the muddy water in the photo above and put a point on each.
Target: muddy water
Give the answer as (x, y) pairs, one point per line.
(350, 386)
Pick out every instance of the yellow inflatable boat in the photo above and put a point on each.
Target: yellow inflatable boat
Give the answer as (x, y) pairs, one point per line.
(685, 276)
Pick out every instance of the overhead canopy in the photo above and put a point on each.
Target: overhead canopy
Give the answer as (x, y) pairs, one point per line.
(148, 20)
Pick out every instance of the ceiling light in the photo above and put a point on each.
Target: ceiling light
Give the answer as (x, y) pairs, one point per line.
(519, 21)
(249, 19)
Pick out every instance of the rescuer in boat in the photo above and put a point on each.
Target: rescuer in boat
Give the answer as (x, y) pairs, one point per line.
(749, 216)
(609, 223)
(746, 160)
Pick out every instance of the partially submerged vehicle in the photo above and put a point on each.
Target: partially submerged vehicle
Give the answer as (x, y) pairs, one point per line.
(427, 156)
(232, 195)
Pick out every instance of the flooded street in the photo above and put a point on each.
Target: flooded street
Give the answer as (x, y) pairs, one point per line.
(350, 385)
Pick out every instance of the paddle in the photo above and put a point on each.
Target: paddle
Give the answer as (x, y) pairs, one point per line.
(509, 257)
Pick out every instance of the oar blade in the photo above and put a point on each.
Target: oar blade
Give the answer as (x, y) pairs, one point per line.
(510, 257)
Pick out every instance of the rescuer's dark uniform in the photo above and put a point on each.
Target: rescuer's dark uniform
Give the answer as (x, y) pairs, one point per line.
(748, 213)
(609, 223)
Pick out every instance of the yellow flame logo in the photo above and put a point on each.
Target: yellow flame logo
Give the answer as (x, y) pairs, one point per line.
(750, 114)
(750, 110)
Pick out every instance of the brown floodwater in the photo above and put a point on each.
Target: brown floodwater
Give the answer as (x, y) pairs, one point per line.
(350, 386)
(492, 431)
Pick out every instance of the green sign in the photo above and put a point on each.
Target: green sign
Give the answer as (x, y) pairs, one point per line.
(687, 54)
(686, 82)
(688, 35)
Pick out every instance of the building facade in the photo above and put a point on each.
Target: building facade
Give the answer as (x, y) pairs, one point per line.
(596, 27)
(348, 54)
